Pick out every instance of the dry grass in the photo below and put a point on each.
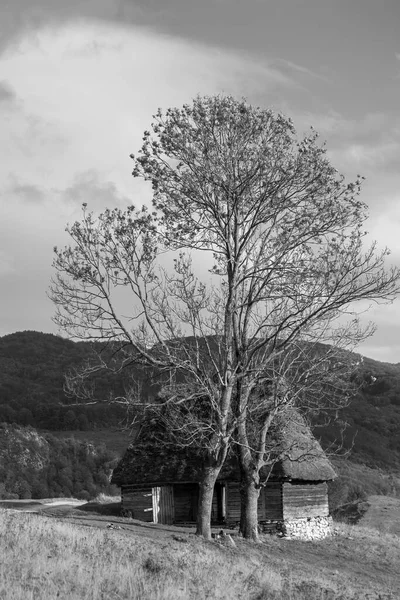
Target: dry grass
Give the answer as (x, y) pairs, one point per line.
(107, 499)
(46, 558)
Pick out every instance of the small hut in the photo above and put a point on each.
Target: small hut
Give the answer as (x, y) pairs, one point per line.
(159, 484)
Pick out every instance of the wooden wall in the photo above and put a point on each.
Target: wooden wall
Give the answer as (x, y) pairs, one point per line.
(186, 497)
(178, 503)
(269, 503)
(232, 503)
(272, 506)
(150, 504)
(138, 501)
(168, 503)
(305, 500)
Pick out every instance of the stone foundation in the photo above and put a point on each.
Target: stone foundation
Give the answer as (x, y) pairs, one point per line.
(311, 528)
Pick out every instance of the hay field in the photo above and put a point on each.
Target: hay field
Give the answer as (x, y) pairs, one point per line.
(45, 558)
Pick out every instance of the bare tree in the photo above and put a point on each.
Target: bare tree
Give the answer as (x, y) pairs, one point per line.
(283, 237)
(305, 382)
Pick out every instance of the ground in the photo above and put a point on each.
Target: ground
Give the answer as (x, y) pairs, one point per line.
(359, 562)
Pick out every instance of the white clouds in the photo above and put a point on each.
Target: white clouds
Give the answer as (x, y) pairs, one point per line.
(372, 156)
(88, 91)
(385, 225)
(368, 144)
(77, 99)
(335, 125)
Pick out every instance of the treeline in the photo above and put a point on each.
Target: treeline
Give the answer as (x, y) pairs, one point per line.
(62, 418)
(32, 371)
(33, 365)
(36, 465)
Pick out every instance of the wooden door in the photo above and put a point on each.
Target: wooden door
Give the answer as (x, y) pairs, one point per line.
(163, 505)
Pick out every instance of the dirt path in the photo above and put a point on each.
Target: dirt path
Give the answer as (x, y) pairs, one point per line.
(84, 513)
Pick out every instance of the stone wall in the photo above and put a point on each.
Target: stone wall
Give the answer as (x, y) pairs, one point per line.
(310, 528)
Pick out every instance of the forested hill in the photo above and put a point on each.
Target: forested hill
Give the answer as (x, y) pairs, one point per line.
(32, 367)
(34, 465)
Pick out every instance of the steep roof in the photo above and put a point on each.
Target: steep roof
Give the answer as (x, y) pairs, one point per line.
(150, 461)
(301, 456)
(145, 463)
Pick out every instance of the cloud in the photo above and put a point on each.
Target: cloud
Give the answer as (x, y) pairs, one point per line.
(368, 144)
(89, 188)
(384, 225)
(334, 124)
(86, 92)
(384, 344)
(373, 155)
(26, 192)
(292, 67)
(25, 18)
(7, 94)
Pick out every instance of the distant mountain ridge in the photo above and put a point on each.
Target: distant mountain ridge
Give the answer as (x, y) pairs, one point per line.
(33, 364)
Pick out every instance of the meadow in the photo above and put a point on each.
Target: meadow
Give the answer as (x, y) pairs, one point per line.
(43, 558)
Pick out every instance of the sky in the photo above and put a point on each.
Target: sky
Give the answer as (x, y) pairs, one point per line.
(80, 81)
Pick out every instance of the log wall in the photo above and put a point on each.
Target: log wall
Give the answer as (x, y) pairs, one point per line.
(269, 503)
(138, 501)
(185, 501)
(305, 500)
(232, 503)
(272, 505)
(168, 503)
(215, 508)
(178, 503)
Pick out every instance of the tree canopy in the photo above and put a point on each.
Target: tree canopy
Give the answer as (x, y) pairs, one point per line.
(283, 236)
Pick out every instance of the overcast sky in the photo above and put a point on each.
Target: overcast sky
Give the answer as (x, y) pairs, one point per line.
(79, 81)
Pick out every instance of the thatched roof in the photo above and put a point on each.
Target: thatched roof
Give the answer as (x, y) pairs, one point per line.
(151, 459)
(301, 456)
(148, 460)
(147, 465)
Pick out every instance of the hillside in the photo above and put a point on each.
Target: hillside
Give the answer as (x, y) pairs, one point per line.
(32, 367)
(34, 465)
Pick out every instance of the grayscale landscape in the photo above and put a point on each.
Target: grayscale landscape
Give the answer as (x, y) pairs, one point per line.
(199, 300)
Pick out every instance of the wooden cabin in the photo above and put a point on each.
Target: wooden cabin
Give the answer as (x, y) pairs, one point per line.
(159, 484)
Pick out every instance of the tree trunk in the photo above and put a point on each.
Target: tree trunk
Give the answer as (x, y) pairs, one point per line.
(206, 491)
(249, 508)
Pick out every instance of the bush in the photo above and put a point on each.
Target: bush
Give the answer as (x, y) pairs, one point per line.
(356, 482)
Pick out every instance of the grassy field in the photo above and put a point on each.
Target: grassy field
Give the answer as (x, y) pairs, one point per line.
(43, 558)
